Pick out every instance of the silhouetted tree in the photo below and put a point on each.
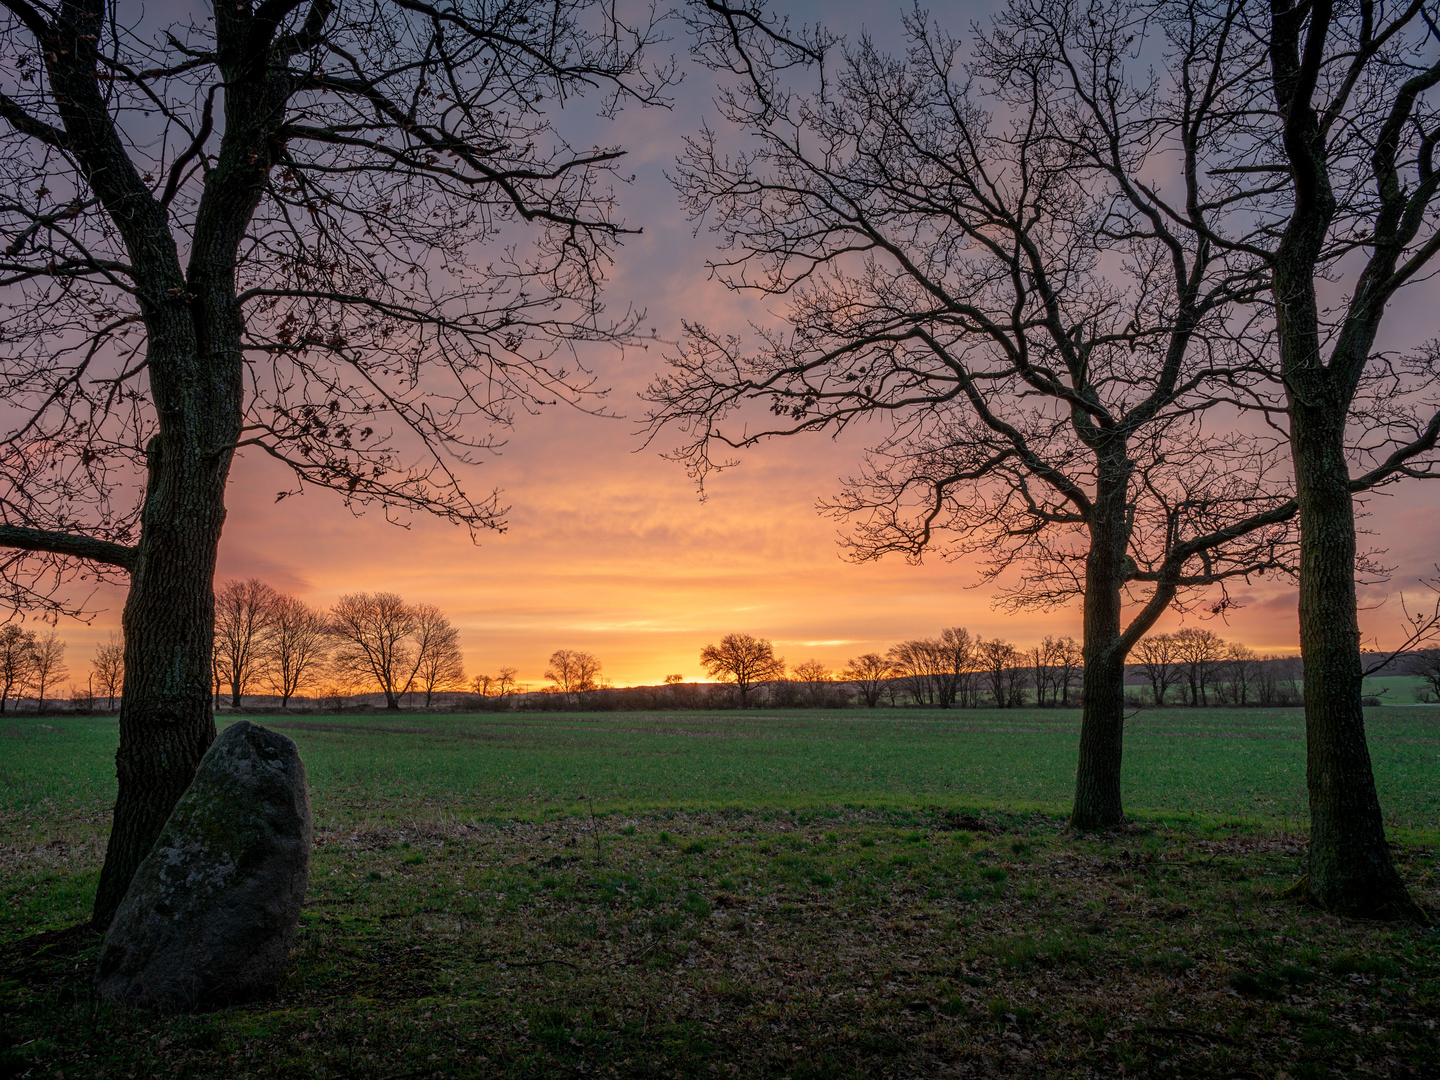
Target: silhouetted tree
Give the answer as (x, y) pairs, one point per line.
(573, 671)
(999, 660)
(1042, 340)
(1238, 669)
(1198, 651)
(869, 674)
(295, 647)
(815, 678)
(743, 661)
(243, 614)
(374, 636)
(1425, 664)
(1344, 217)
(1157, 655)
(919, 664)
(17, 661)
(441, 665)
(109, 668)
(1048, 668)
(49, 666)
(345, 235)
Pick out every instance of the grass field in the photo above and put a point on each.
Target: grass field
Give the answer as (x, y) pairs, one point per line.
(760, 894)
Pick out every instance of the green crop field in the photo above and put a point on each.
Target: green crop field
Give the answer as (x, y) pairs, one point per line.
(1228, 764)
(801, 894)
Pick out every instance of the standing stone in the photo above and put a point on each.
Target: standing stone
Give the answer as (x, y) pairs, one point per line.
(211, 913)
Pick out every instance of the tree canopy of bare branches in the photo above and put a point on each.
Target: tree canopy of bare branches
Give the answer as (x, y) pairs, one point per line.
(108, 666)
(342, 235)
(49, 666)
(868, 672)
(743, 661)
(441, 665)
(374, 643)
(296, 647)
(573, 671)
(17, 661)
(244, 616)
(1158, 656)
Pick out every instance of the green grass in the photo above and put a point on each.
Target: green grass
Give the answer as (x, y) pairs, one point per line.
(758, 894)
(1396, 689)
(1231, 763)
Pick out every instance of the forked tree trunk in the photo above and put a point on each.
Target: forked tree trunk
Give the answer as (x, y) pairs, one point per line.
(1350, 868)
(167, 719)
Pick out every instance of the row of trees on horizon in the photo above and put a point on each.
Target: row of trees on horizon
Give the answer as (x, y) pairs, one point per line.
(270, 643)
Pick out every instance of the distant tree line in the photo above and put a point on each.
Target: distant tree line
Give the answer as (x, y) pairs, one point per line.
(1207, 669)
(378, 644)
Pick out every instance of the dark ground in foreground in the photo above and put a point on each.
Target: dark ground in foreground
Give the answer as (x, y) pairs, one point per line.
(794, 944)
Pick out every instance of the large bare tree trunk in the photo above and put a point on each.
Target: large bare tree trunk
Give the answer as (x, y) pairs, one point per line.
(1102, 682)
(166, 717)
(1350, 868)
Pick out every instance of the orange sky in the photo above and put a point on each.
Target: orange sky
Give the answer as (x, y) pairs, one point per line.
(609, 550)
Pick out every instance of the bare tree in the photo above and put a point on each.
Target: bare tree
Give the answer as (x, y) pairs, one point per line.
(49, 665)
(244, 611)
(1069, 658)
(1198, 652)
(505, 683)
(955, 664)
(869, 673)
(975, 255)
(295, 647)
(495, 685)
(1049, 669)
(573, 671)
(1348, 216)
(441, 665)
(344, 235)
(1157, 655)
(1425, 665)
(920, 665)
(374, 643)
(743, 661)
(1238, 670)
(815, 679)
(109, 668)
(1001, 663)
(1039, 660)
(17, 661)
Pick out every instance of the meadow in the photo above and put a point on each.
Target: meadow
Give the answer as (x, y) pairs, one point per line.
(803, 894)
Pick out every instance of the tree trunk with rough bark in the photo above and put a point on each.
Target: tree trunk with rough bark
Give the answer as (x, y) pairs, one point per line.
(1350, 868)
(1102, 682)
(166, 720)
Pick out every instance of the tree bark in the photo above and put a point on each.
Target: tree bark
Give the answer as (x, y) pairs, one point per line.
(166, 720)
(1102, 682)
(1350, 868)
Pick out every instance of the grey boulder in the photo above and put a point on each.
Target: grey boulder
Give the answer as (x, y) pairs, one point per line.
(210, 915)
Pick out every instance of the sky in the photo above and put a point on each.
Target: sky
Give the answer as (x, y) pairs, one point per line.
(610, 550)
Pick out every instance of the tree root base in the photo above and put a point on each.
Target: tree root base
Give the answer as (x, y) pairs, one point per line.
(1387, 908)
